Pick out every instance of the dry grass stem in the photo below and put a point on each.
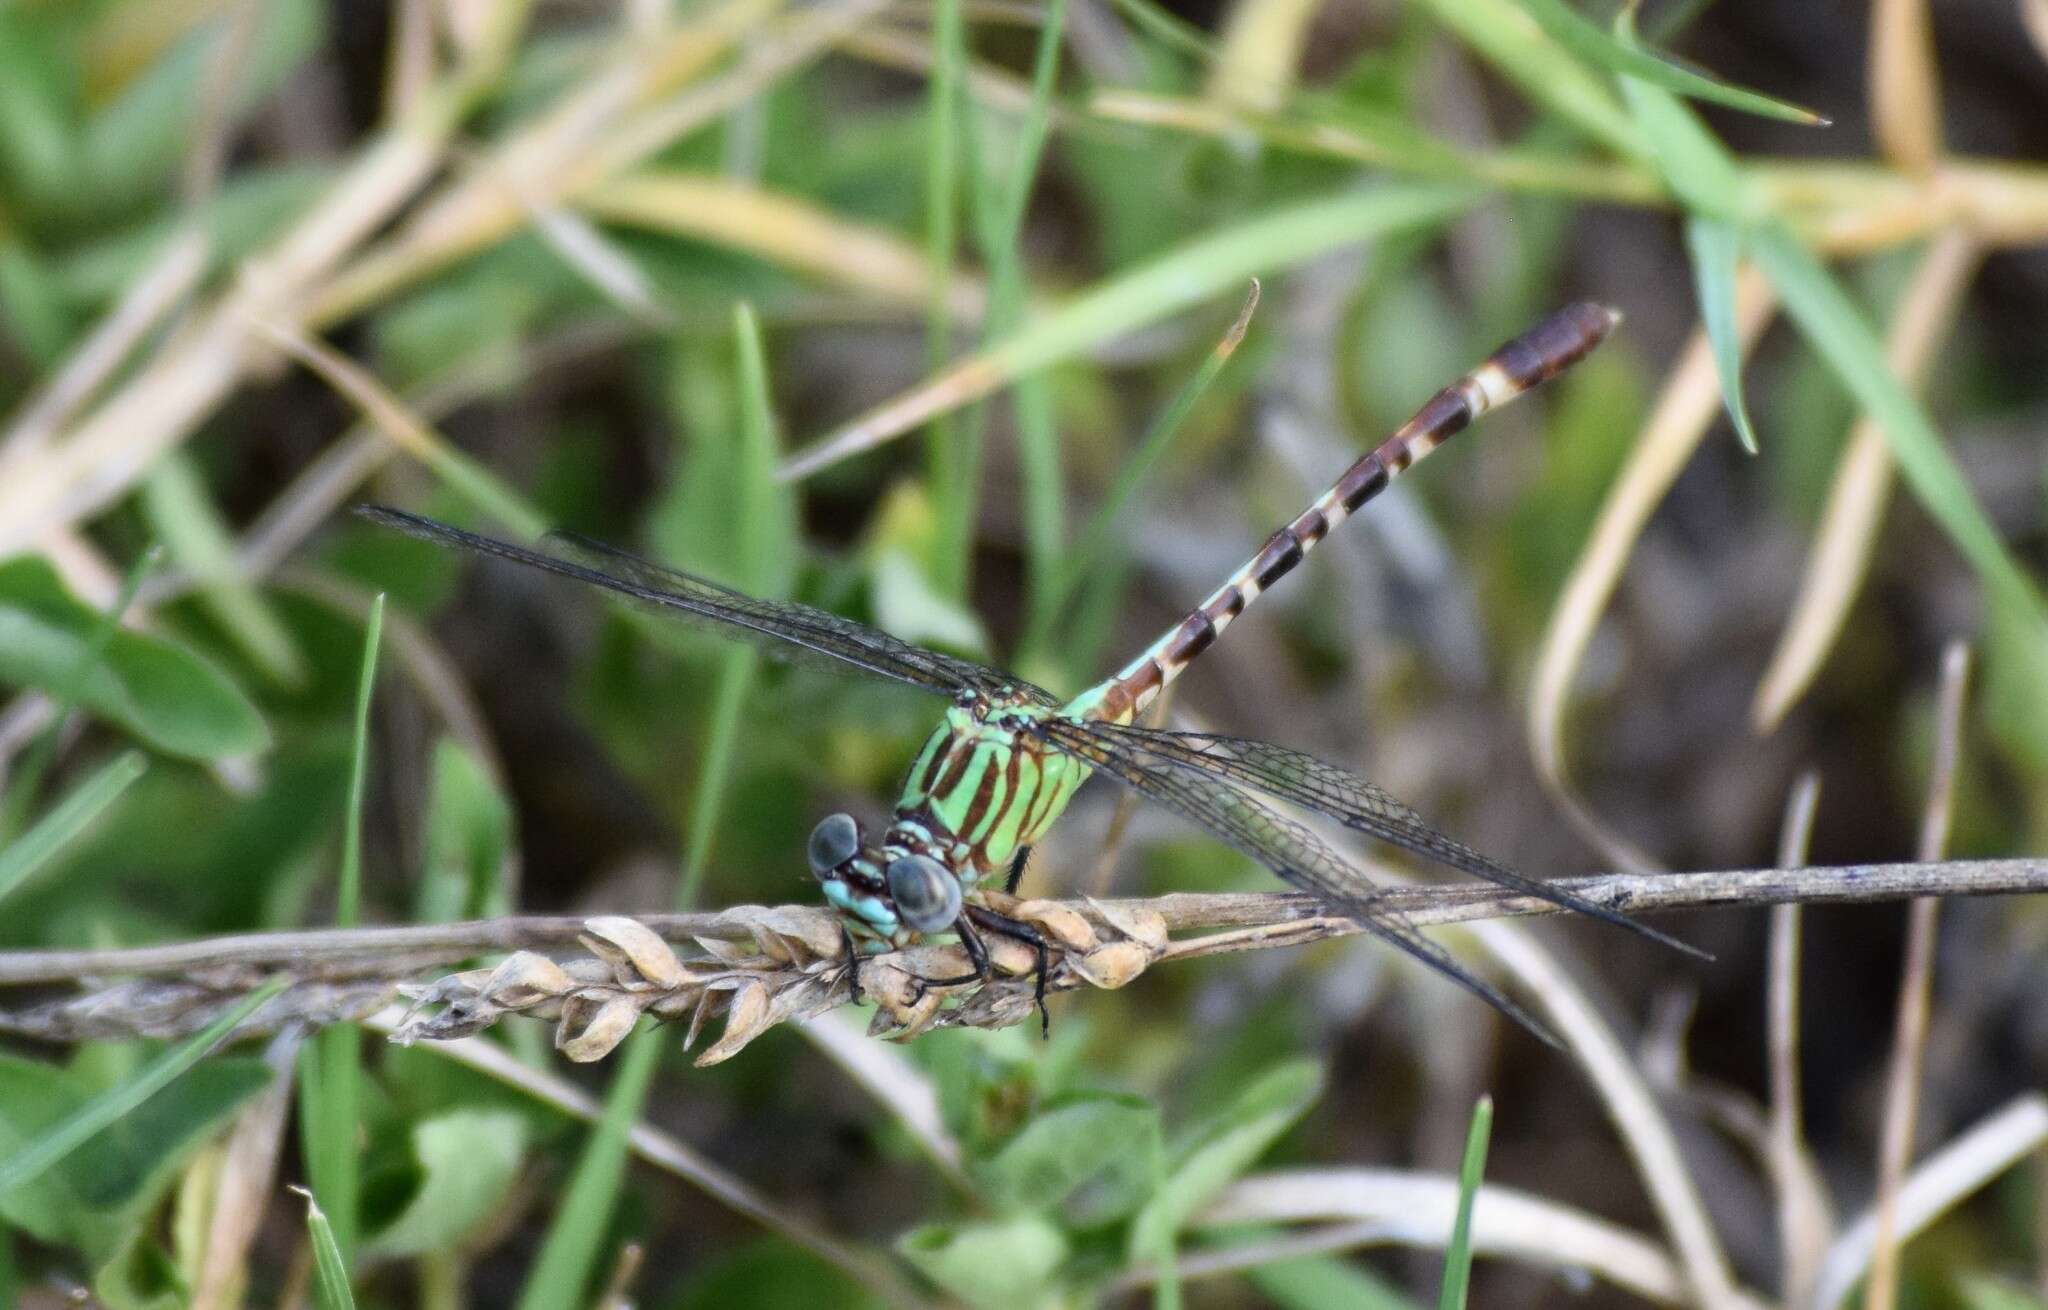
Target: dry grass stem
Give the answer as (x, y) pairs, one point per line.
(1905, 85)
(1395, 1207)
(1902, 1091)
(1684, 412)
(1846, 533)
(246, 1184)
(1631, 1107)
(160, 289)
(1806, 1222)
(1949, 1174)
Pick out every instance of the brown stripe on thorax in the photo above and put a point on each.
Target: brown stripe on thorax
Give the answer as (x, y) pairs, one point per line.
(984, 792)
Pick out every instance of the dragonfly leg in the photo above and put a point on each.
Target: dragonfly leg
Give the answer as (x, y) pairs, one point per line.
(852, 962)
(1017, 929)
(1017, 867)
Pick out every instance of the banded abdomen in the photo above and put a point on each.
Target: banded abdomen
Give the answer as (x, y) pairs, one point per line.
(1541, 353)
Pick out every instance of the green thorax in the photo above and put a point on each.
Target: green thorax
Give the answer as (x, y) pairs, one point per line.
(984, 786)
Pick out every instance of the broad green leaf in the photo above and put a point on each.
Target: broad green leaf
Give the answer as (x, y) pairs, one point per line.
(183, 513)
(38, 114)
(467, 839)
(1313, 1282)
(1584, 38)
(1982, 1292)
(139, 140)
(1457, 1279)
(51, 1143)
(330, 1271)
(467, 1161)
(1110, 1143)
(166, 695)
(901, 552)
(1220, 1151)
(1006, 1264)
(1716, 248)
(65, 820)
(768, 1274)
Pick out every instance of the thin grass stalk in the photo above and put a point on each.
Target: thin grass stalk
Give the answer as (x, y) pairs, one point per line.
(1905, 85)
(1684, 411)
(1902, 1091)
(1805, 1222)
(1089, 557)
(1845, 537)
(331, 1066)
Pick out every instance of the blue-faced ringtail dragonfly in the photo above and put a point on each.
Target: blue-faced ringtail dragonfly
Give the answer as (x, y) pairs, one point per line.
(1006, 760)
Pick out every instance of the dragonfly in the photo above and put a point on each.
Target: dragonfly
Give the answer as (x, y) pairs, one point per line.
(1008, 757)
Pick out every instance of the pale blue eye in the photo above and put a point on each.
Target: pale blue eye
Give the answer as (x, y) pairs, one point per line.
(926, 895)
(834, 841)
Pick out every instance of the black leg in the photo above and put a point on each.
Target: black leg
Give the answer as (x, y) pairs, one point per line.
(1017, 867)
(852, 962)
(1018, 930)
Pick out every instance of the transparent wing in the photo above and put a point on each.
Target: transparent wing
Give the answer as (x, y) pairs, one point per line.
(1302, 779)
(1275, 841)
(785, 627)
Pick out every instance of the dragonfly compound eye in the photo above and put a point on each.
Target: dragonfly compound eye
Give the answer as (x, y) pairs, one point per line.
(927, 896)
(834, 841)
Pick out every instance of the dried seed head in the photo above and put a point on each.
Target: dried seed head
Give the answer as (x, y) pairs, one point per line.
(747, 1017)
(1113, 965)
(1061, 925)
(1135, 922)
(525, 979)
(635, 952)
(603, 1029)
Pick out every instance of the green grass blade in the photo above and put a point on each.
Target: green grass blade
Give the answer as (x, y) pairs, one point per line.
(331, 1065)
(562, 1272)
(945, 471)
(570, 1250)
(1504, 34)
(349, 895)
(68, 1134)
(1845, 339)
(1089, 557)
(330, 1271)
(1458, 1255)
(69, 817)
(1716, 248)
(1583, 38)
(1129, 301)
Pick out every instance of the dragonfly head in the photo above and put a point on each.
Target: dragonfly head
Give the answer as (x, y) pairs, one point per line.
(835, 843)
(926, 893)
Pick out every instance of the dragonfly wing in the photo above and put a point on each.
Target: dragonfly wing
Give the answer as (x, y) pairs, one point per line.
(932, 668)
(1301, 779)
(785, 627)
(1279, 843)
